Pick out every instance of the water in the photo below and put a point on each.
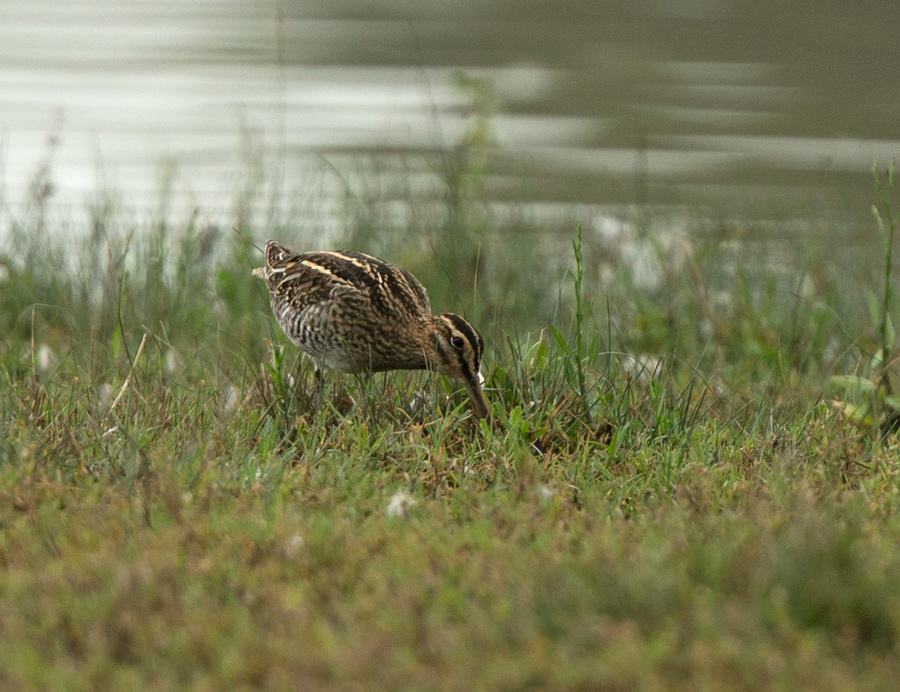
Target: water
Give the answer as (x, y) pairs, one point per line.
(735, 108)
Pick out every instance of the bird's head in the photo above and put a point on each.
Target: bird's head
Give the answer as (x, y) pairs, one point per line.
(458, 351)
(275, 255)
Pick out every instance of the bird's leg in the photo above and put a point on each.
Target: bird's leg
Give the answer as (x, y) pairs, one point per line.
(318, 399)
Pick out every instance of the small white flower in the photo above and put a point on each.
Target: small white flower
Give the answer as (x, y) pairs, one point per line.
(607, 274)
(722, 300)
(808, 288)
(545, 494)
(646, 270)
(644, 366)
(293, 546)
(400, 504)
(173, 362)
(230, 398)
(104, 398)
(45, 358)
(613, 230)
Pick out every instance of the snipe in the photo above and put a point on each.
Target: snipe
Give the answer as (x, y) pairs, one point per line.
(356, 313)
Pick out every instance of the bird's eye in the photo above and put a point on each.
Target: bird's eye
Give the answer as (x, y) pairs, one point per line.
(458, 342)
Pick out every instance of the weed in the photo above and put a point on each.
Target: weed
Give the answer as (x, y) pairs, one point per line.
(876, 405)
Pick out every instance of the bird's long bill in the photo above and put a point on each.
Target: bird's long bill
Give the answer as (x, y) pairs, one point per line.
(479, 403)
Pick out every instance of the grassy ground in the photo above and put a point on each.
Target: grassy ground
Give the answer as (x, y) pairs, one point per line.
(183, 505)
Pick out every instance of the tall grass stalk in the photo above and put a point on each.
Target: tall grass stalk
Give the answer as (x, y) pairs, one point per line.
(580, 363)
(887, 225)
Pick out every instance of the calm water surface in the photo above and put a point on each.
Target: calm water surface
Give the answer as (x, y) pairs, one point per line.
(766, 109)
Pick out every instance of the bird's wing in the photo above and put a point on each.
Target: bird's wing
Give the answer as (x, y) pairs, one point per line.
(387, 288)
(312, 277)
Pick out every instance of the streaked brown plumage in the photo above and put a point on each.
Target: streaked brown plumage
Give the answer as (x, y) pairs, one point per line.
(356, 313)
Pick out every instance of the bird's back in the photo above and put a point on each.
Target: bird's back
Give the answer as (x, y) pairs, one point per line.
(352, 311)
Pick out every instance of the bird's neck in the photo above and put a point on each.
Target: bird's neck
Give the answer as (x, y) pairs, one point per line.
(427, 339)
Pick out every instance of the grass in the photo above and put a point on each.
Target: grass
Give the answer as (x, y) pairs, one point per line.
(668, 498)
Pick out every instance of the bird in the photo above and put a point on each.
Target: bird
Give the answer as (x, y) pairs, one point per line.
(355, 313)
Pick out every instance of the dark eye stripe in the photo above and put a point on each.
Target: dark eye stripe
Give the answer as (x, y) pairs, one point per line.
(472, 336)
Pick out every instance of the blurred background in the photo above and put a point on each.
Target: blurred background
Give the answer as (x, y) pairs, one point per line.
(728, 144)
(773, 111)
